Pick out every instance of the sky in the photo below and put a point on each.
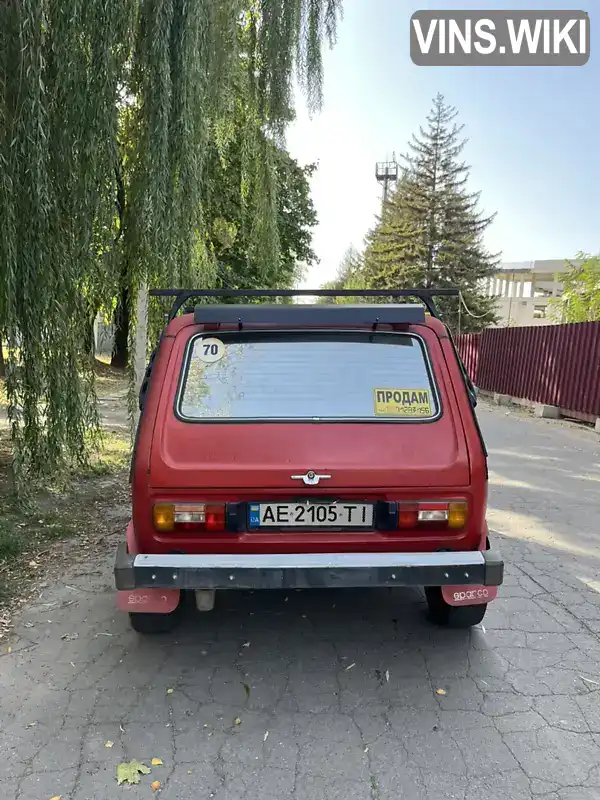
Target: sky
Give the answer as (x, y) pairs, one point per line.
(534, 135)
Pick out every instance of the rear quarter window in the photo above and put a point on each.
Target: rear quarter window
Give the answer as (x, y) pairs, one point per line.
(307, 376)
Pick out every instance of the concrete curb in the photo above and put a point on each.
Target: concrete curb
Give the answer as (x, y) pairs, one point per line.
(539, 409)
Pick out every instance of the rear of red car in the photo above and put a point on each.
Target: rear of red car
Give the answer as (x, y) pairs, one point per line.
(300, 446)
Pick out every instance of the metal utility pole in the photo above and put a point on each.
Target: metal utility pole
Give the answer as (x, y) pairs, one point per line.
(386, 173)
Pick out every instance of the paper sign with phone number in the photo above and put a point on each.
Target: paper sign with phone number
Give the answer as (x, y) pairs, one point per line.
(402, 402)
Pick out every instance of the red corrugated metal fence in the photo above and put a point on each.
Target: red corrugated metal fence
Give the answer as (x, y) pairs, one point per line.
(558, 365)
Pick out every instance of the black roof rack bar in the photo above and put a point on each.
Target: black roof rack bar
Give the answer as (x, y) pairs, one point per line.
(301, 314)
(183, 295)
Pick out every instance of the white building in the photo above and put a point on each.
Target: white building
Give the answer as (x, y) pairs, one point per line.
(523, 289)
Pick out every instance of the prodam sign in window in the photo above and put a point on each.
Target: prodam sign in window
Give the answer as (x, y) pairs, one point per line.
(500, 38)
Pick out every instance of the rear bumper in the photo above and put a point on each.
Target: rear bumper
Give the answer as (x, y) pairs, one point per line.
(307, 571)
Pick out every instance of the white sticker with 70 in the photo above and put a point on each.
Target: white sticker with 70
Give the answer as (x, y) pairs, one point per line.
(210, 350)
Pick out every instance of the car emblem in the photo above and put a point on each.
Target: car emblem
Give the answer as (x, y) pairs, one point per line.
(310, 478)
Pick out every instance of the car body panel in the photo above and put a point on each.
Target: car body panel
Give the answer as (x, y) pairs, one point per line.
(246, 461)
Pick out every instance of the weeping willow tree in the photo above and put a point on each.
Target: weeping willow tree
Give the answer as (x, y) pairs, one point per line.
(102, 100)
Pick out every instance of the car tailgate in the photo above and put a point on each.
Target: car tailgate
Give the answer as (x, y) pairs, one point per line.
(261, 453)
(267, 455)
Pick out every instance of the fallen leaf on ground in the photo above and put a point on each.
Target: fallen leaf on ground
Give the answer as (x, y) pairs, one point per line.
(156, 762)
(246, 689)
(70, 636)
(387, 675)
(9, 650)
(155, 786)
(169, 691)
(31, 725)
(237, 721)
(108, 744)
(349, 667)
(129, 772)
(266, 736)
(56, 797)
(189, 771)
(246, 644)
(441, 691)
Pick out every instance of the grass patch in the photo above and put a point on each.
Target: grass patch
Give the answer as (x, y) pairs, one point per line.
(109, 379)
(113, 456)
(26, 533)
(29, 530)
(77, 505)
(24, 530)
(10, 544)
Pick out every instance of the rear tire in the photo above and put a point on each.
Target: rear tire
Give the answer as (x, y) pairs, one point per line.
(442, 613)
(156, 623)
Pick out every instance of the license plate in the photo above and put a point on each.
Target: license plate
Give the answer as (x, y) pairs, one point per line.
(311, 515)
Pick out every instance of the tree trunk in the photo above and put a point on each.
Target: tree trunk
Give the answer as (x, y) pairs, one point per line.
(120, 352)
(89, 333)
(2, 364)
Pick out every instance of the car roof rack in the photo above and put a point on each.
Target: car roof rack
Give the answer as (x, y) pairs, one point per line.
(316, 315)
(182, 296)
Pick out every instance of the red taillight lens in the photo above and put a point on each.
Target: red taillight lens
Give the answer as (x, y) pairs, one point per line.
(433, 515)
(215, 517)
(408, 515)
(191, 517)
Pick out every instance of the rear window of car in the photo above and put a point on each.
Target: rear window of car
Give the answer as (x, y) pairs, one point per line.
(307, 376)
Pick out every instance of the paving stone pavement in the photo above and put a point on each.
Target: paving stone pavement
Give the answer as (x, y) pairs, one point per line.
(335, 692)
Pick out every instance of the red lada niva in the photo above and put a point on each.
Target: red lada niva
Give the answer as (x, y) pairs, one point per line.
(307, 446)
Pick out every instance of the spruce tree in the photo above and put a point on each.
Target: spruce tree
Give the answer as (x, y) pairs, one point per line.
(430, 233)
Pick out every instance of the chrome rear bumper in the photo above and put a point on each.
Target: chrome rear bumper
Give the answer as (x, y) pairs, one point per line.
(307, 571)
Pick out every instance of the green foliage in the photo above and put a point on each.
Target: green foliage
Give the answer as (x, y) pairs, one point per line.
(242, 262)
(109, 110)
(430, 233)
(60, 65)
(580, 299)
(349, 276)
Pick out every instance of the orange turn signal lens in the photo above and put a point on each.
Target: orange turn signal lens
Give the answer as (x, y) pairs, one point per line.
(163, 515)
(457, 515)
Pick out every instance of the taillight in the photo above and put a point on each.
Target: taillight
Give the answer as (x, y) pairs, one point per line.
(408, 515)
(457, 515)
(433, 515)
(189, 517)
(163, 515)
